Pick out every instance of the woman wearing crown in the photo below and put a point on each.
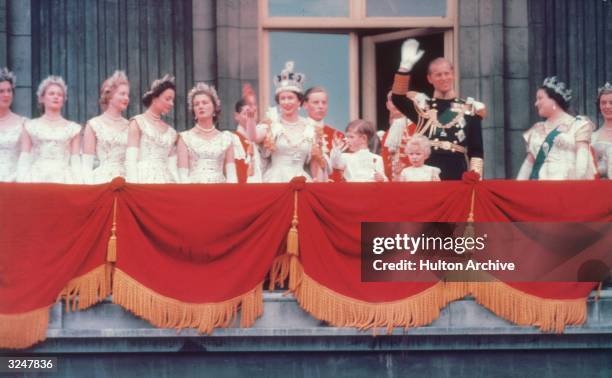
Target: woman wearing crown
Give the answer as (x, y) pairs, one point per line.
(150, 156)
(288, 140)
(11, 127)
(558, 148)
(205, 154)
(602, 138)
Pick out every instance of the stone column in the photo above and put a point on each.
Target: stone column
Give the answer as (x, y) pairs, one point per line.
(237, 53)
(19, 56)
(3, 36)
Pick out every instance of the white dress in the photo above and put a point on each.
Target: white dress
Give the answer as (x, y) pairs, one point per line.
(110, 150)
(155, 148)
(419, 174)
(603, 154)
(9, 149)
(51, 148)
(358, 166)
(292, 152)
(560, 161)
(207, 157)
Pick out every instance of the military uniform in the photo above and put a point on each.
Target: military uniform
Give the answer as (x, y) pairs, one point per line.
(452, 126)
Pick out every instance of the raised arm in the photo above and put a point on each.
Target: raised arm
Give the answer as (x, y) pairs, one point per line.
(410, 56)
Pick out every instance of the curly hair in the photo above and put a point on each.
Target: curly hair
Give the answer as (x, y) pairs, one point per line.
(211, 92)
(421, 142)
(157, 88)
(109, 87)
(42, 87)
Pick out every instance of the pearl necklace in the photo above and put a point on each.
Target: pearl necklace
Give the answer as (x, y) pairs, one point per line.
(205, 130)
(111, 118)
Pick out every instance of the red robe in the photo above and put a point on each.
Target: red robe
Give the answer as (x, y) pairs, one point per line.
(328, 138)
(242, 168)
(387, 156)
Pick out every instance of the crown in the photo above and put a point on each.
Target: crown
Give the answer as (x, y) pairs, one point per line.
(289, 80)
(558, 87)
(607, 88)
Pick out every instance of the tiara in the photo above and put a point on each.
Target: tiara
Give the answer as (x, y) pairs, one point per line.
(289, 80)
(607, 87)
(6, 75)
(558, 87)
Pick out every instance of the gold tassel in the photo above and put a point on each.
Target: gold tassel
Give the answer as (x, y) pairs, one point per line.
(292, 236)
(111, 250)
(469, 228)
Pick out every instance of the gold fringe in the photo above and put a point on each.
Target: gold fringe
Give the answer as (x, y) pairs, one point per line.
(341, 311)
(111, 250)
(165, 312)
(90, 288)
(550, 315)
(19, 331)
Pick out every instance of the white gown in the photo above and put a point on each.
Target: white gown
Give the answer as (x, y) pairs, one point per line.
(155, 148)
(9, 149)
(358, 166)
(51, 152)
(292, 152)
(207, 157)
(603, 154)
(420, 174)
(110, 150)
(560, 162)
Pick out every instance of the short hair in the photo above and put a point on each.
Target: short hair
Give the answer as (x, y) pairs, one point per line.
(299, 95)
(313, 90)
(239, 105)
(42, 88)
(438, 61)
(6, 75)
(208, 90)
(421, 141)
(110, 85)
(605, 90)
(158, 87)
(556, 97)
(367, 128)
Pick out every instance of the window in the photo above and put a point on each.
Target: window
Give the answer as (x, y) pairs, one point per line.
(350, 47)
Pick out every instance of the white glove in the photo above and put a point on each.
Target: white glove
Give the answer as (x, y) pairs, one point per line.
(525, 171)
(131, 164)
(608, 161)
(173, 168)
(583, 155)
(183, 175)
(23, 167)
(87, 162)
(230, 173)
(76, 168)
(410, 54)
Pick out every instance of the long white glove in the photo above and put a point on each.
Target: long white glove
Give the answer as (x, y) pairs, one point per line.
(609, 161)
(76, 168)
(410, 54)
(23, 167)
(173, 168)
(183, 175)
(525, 171)
(583, 156)
(131, 164)
(230, 173)
(87, 162)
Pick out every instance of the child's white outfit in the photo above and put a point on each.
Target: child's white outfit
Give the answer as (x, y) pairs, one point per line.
(358, 166)
(422, 173)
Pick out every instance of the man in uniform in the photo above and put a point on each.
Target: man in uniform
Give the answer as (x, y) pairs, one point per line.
(452, 124)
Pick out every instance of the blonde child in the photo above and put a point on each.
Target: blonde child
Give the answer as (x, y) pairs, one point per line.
(360, 165)
(418, 149)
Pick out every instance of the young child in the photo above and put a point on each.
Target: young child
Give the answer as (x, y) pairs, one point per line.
(360, 165)
(418, 149)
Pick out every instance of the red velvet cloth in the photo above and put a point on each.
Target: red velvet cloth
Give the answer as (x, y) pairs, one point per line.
(49, 234)
(201, 243)
(330, 218)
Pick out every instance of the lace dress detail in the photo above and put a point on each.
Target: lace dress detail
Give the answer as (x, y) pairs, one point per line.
(110, 150)
(207, 157)
(420, 174)
(51, 151)
(603, 154)
(155, 147)
(292, 152)
(9, 150)
(560, 163)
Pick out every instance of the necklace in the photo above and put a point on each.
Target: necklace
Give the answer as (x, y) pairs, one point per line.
(7, 116)
(153, 117)
(111, 118)
(205, 130)
(49, 119)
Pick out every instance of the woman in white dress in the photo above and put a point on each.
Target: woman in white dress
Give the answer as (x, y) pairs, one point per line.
(558, 148)
(418, 149)
(50, 144)
(150, 157)
(602, 138)
(106, 135)
(288, 140)
(205, 154)
(359, 165)
(11, 127)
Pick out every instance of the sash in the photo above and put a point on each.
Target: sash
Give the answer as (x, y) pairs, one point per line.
(543, 152)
